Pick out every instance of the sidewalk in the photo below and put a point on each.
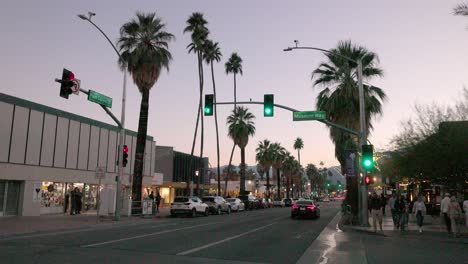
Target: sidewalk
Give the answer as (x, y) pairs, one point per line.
(354, 244)
(17, 225)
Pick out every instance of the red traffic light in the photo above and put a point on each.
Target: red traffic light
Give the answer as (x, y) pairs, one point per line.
(367, 180)
(125, 149)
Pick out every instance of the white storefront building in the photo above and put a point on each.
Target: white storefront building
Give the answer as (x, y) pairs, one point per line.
(47, 152)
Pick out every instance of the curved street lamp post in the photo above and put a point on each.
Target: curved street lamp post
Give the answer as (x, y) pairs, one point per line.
(362, 133)
(122, 120)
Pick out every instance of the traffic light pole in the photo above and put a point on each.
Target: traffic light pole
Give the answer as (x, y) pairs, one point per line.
(363, 139)
(122, 119)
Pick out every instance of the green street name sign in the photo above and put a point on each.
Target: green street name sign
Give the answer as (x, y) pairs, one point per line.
(309, 115)
(99, 98)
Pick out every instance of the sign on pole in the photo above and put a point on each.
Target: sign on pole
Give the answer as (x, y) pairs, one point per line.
(99, 98)
(309, 115)
(100, 173)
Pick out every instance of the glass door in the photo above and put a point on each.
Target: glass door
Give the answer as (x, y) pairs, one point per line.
(13, 194)
(2, 196)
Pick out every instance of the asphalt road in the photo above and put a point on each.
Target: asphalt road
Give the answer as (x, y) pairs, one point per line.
(260, 236)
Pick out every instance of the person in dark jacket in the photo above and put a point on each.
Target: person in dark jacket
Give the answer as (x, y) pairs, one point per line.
(73, 202)
(376, 207)
(158, 201)
(78, 197)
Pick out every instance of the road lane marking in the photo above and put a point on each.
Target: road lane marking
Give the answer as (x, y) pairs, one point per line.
(221, 241)
(99, 228)
(145, 235)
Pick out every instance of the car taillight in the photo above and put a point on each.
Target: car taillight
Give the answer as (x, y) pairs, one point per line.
(311, 207)
(295, 207)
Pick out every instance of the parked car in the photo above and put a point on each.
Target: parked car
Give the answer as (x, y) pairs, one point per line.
(288, 201)
(190, 206)
(262, 203)
(249, 201)
(236, 204)
(278, 202)
(326, 199)
(217, 204)
(305, 208)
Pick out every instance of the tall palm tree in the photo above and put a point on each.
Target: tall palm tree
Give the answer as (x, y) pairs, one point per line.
(461, 10)
(143, 45)
(313, 174)
(340, 97)
(298, 145)
(290, 168)
(196, 25)
(234, 66)
(264, 157)
(241, 126)
(260, 171)
(279, 153)
(212, 53)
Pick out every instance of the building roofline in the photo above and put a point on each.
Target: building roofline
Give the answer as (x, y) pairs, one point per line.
(50, 110)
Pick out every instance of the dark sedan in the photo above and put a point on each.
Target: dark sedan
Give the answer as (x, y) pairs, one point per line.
(305, 208)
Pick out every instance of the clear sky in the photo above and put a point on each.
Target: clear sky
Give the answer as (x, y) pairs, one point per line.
(422, 48)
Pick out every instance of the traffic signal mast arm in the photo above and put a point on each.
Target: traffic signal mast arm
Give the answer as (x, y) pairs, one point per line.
(294, 110)
(103, 106)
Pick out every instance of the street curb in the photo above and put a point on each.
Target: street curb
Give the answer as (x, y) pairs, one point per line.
(324, 247)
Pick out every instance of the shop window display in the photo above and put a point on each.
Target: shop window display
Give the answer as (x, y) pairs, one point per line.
(52, 198)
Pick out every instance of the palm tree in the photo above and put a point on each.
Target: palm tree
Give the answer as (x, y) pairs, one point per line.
(290, 168)
(260, 170)
(298, 145)
(265, 157)
(143, 45)
(461, 10)
(212, 53)
(279, 153)
(241, 126)
(234, 65)
(196, 25)
(313, 174)
(340, 97)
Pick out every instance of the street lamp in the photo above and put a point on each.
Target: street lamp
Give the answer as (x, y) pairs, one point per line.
(362, 114)
(122, 119)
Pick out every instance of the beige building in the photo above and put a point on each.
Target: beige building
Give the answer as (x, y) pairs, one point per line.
(48, 151)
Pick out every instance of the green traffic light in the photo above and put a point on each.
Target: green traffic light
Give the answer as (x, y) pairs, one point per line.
(267, 111)
(207, 110)
(367, 163)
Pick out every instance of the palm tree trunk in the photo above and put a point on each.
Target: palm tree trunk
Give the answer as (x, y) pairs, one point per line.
(268, 183)
(242, 172)
(299, 156)
(200, 71)
(287, 186)
(216, 125)
(229, 170)
(140, 152)
(235, 92)
(278, 178)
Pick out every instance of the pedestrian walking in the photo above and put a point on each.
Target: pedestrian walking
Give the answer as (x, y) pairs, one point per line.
(78, 200)
(376, 206)
(73, 202)
(391, 204)
(444, 206)
(401, 209)
(158, 201)
(455, 214)
(465, 208)
(419, 209)
(383, 202)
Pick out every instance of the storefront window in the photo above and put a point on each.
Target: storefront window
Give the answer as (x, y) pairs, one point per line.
(52, 194)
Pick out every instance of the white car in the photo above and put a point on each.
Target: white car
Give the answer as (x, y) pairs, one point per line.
(190, 206)
(236, 204)
(278, 203)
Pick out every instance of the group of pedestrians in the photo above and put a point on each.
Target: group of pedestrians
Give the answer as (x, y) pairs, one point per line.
(74, 197)
(156, 200)
(452, 213)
